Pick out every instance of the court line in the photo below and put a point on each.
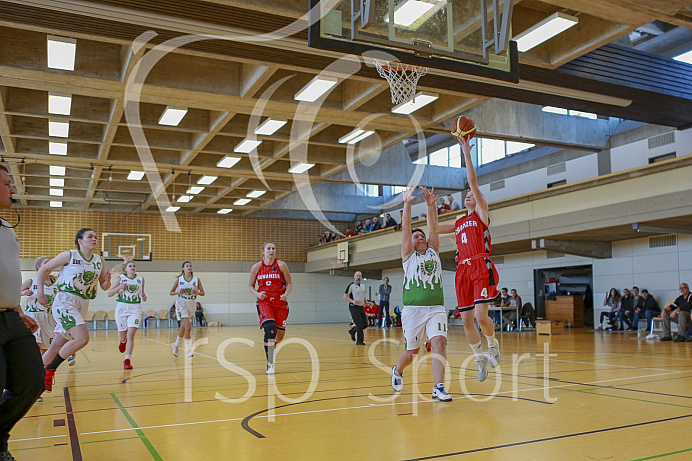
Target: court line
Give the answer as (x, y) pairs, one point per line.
(138, 431)
(547, 439)
(664, 454)
(85, 356)
(196, 353)
(37, 438)
(72, 427)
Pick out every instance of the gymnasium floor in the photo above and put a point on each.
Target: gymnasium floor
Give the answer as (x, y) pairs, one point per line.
(609, 396)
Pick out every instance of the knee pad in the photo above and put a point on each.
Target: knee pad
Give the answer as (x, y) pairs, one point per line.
(269, 331)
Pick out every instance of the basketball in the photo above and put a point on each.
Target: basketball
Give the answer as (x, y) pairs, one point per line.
(463, 127)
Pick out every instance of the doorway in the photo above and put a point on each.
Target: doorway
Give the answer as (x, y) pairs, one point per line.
(564, 281)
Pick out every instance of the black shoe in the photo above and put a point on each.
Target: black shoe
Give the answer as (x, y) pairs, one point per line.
(352, 332)
(666, 338)
(679, 339)
(6, 456)
(360, 344)
(633, 328)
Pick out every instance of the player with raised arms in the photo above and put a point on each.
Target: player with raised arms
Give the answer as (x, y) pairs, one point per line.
(34, 309)
(273, 282)
(187, 287)
(476, 277)
(423, 298)
(81, 273)
(129, 293)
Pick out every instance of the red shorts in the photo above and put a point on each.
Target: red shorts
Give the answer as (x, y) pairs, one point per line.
(475, 283)
(272, 308)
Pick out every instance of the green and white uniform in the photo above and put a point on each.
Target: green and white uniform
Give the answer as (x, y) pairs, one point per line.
(186, 303)
(42, 314)
(77, 283)
(423, 298)
(128, 311)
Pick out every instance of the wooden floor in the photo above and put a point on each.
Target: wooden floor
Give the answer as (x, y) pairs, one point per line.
(608, 396)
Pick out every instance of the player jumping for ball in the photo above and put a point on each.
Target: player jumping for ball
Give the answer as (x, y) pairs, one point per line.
(476, 277)
(274, 284)
(423, 298)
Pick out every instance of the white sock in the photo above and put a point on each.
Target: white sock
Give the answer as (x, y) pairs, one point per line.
(188, 344)
(491, 340)
(177, 341)
(477, 351)
(128, 356)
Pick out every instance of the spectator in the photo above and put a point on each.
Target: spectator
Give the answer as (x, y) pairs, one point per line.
(389, 221)
(376, 224)
(612, 300)
(528, 312)
(626, 312)
(514, 301)
(678, 312)
(384, 291)
(372, 312)
(333, 237)
(199, 315)
(349, 232)
(501, 301)
(637, 301)
(367, 227)
(323, 239)
(453, 204)
(359, 228)
(649, 309)
(444, 207)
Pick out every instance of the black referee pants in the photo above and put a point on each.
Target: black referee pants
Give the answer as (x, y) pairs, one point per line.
(21, 372)
(360, 319)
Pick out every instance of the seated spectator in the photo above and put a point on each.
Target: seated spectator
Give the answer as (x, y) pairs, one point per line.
(323, 238)
(511, 316)
(367, 227)
(678, 312)
(626, 312)
(359, 228)
(372, 311)
(389, 221)
(334, 236)
(528, 312)
(612, 300)
(500, 301)
(453, 204)
(172, 314)
(199, 315)
(444, 207)
(649, 309)
(376, 224)
(349, 232)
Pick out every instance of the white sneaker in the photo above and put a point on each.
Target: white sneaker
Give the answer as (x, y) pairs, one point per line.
(482, 368)
(440, 394)
(493, 356)
(397, 381)
(70, 360)
(271, 370)
(189, 354)
(175, 349)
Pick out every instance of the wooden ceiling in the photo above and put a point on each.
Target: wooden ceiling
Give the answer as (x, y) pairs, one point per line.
(222, 83)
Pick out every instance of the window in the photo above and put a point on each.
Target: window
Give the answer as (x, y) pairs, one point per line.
(557, 183)
(368, 190)
(398, 189)
(495, 149)
(439, 157)
(662, 158)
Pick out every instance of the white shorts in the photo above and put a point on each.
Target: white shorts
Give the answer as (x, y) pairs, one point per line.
(67, 312)
(46, 327)
(418, 320)
(128, 316)
(185, 308)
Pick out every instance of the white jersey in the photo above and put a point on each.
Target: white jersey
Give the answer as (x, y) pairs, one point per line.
(80, 276)
(132, 294)
(32, 304)
(187, 285)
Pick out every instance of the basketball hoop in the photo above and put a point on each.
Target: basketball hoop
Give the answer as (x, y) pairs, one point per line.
(402, 78)
(127, 258)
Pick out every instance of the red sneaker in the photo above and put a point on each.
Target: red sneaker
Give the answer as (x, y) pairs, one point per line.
(121, 347)
(50, 378)
(127, 365)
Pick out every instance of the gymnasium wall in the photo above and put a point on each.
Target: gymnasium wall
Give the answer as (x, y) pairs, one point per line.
(315, 298)
(203, 238)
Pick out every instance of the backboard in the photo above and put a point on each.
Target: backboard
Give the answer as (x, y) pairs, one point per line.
(114, 246)
(464, 36)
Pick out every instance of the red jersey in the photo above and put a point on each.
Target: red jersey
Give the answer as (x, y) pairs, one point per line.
(270, 279)
(472, 236)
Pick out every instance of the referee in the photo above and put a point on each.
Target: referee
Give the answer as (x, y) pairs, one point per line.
(355, 295)
(21, 368)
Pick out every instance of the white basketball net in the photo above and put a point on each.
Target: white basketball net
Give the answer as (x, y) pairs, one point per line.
(402, 78)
